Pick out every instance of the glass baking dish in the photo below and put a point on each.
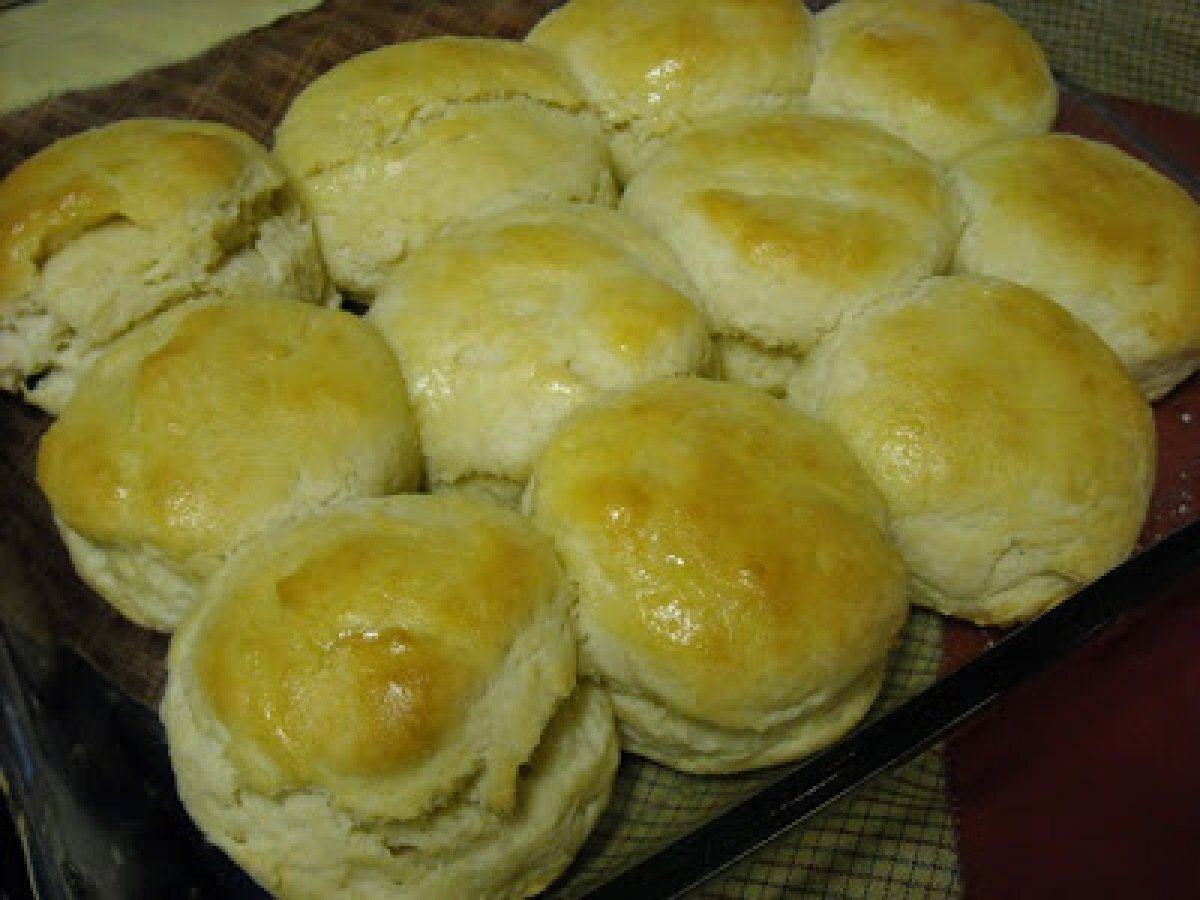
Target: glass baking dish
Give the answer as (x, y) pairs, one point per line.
(81, 748)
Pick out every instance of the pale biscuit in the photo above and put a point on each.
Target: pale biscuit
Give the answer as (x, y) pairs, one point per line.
(1015, 453)
(1100, 233)
(209, 424)
(102, 230)
(504, 327)
(653, 68)
(946, 75)
(738, 591)
(786, 222)
(396, 144)
(381, 701)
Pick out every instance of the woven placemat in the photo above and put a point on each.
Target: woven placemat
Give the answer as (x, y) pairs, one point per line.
(1145, 50)
(48, 47)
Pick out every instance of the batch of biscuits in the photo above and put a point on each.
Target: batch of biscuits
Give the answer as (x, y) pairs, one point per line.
(616, 389)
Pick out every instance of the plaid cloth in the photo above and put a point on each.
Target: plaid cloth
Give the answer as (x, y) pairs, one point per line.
(1146, 50)
(896, 836)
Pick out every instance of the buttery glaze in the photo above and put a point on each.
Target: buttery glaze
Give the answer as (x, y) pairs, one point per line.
(357, 656)
(218, 405)
(739, 552)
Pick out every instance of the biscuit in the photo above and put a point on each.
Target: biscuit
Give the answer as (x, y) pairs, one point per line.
(381, 701)
(1015, 452)
(738, 591)
(786, 222)
(102, 230)
(653, 68)
(946, 75)
(505, 326)
(1100, 233)
(396, 144)
(208, 424)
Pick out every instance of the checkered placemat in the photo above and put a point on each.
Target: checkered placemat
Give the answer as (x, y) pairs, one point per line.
(1147, 50)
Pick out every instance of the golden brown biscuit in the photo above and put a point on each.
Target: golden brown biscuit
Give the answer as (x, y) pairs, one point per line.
(653, 68)
(209, 424)
(395, 144)
(381, 701)
(505, 326)
(104, 229)
(786, 222)
(1100, 233)
(945, 75)
(738, 592)
(1014, 451)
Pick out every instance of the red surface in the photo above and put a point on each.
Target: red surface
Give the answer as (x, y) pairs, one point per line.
(1177, 134)
(1085, 782)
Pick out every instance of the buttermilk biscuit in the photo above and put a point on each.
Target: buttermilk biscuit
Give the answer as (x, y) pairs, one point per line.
(207, 425)
(1100, 233)
(786, 222)
(396, 144)
(738, 593)
(505, 326)
(104, 229)
(945, 75)
(652, 68)
(1015, 453)
(381, 701)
